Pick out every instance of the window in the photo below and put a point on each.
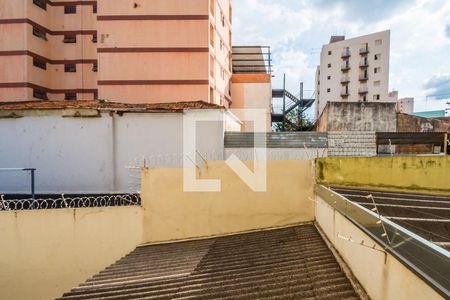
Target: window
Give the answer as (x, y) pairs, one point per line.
(376, 83)
(376, 97)
(95, 95)
(328, 77)
(377, 70)
(39, 33)
(71, 96)
(39, 63)
(211, 95)
(318, 82)
(94, 38)
(41, 3)
(39, 94)
(328, 90)
(70, 38)
(70, 9)
(378, 42)
(329, 65)
(329, 52)
(377, 56)
(221, 44)
(94, 67)
(222, 17)
(69, 68)
(94, 8)
(364, 99)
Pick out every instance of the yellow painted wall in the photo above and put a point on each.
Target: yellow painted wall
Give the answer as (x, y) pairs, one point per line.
(383, 277)
(428, 174)
(45, 253)
(171, 214)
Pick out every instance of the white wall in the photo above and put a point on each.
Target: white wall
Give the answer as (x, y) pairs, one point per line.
(91, 155)
(336, 61)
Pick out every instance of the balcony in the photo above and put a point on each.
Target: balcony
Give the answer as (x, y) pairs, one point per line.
(363, 77)
(345, 93)
(345, 79)
(346, 53)
(345, 66)
(364, 49)
(364, 63)
(363, 90)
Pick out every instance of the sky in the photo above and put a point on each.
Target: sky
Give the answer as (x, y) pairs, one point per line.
(296, 30)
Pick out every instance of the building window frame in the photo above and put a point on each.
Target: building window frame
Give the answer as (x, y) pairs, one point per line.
(39, 33)
(41, 4)
(70, 68)
(70, 96)
(94, 67)
(39, 63)
(70, 9)
(40, 94)
(70, 38)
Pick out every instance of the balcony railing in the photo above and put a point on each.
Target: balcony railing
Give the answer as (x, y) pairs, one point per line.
(363, 90)
(345, 79)
(364, 64)
(363, 77)
(346, 53)
(345, 93)
(364, 49)
(345, 66)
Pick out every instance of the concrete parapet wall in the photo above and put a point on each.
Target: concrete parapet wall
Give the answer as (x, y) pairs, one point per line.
(172, 214)
(428, 174)
(45, 253)
(381, 274)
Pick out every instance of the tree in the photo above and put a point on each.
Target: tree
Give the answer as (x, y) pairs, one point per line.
(294, 123)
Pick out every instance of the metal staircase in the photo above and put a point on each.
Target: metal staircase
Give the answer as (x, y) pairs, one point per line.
(290, 103)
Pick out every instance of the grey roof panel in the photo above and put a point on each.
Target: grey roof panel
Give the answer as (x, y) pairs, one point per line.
(290, 262)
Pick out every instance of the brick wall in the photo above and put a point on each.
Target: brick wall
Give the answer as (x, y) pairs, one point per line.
(352, 143)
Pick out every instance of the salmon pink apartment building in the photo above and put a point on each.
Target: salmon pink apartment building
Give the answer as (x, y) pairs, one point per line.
(133, 51)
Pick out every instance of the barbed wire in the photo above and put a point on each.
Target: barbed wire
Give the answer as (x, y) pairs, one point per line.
(72, 202)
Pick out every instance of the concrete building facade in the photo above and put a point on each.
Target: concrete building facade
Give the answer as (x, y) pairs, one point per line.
(148, 51)
(405, 105)
(85, 147)
(353, 70)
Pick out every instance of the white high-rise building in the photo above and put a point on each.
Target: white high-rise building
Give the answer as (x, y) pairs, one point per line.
(353, 70)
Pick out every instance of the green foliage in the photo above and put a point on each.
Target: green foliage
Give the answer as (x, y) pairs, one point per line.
(293, 122)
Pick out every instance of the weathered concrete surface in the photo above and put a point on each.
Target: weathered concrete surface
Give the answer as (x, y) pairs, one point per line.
(351, 143)
(358, 116)
(409, 123)
(46, 252)
(428, 174)
(172, 214)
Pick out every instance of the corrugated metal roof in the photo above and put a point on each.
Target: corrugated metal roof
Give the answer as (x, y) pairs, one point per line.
(283, 263)
(105, 105)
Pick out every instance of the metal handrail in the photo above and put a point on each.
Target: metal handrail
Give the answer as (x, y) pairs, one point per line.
(427, 260)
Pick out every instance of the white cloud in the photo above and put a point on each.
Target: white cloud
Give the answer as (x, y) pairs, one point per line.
(296, 30)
